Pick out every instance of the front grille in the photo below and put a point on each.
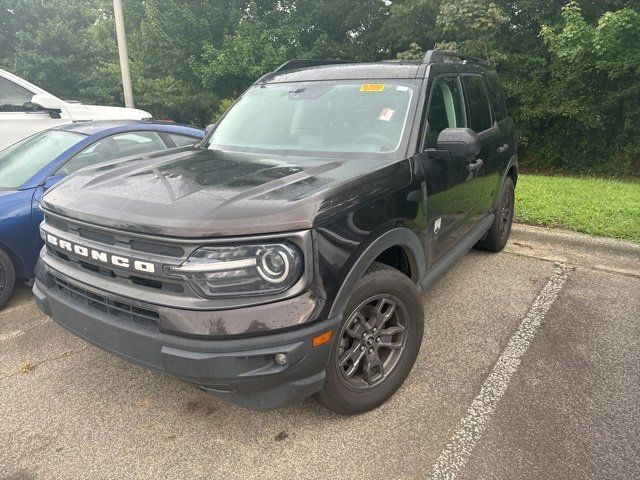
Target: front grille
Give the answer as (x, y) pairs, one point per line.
(158, 249)
(121, 238)
(155, 284)
(124, 244)
(96, 236)
(122, 310)
(59, 224)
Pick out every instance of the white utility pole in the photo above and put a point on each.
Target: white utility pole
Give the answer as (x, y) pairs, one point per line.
(122, 52)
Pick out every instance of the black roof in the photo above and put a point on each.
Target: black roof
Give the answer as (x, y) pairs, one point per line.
(302, 70)
(346, 71)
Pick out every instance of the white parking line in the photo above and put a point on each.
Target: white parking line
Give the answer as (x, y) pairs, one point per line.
(456, 453)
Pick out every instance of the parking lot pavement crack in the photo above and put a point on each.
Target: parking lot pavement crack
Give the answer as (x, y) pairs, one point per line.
(586, 266)
(453, 458)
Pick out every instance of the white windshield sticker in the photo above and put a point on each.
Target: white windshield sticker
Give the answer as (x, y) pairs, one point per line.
(386, 115)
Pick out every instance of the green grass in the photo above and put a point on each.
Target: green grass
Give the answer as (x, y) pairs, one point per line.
(602, 207)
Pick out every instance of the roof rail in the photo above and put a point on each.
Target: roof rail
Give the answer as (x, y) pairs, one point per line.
(303, 63)
(441, 56)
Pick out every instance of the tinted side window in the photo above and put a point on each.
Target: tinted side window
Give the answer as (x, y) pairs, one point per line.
(498, 98)
(116, 146)
(134, 143)
(446, 109)
(183, 140)
(100, 151)
(13, 97)
(479, 109)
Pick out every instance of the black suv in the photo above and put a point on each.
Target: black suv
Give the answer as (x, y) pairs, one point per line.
(286, 254)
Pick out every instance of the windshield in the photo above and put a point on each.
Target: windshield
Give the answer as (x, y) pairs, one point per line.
(21, 161)
(342, 117)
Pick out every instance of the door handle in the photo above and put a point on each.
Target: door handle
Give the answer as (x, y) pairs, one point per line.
(503, 148)
(472, 167)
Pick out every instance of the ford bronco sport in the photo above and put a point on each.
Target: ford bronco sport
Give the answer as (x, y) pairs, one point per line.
(286, 254)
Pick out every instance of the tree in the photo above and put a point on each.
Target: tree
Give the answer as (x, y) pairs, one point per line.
(270, 32)
(593, 96)
(471, 26)
(414, 52)
(166, 47)
(407, 22)
(52, 43)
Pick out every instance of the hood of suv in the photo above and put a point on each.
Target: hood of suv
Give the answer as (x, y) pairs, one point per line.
(193, 192)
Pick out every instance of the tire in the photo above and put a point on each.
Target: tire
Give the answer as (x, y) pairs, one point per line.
(7, 278)
(498, 234)
(386, 360)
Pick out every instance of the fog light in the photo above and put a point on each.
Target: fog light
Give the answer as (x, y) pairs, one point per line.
(280, 359)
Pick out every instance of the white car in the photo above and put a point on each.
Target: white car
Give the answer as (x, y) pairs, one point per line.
(26, 109)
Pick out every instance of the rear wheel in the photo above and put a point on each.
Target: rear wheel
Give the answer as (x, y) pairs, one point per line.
(7, 278)
(377, 343)
(498, 233)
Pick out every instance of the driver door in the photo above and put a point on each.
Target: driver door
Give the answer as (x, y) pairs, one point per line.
(452, 193)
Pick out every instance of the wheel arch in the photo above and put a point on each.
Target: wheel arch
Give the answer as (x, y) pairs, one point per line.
(399, 239)
(510, 171)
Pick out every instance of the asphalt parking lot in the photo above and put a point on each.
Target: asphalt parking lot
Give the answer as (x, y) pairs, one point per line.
(528, 369)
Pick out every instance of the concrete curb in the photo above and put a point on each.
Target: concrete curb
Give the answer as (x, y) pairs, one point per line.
(574, 239)
(607, 254)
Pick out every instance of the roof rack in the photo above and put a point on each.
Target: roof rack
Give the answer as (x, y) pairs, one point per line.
(302, 63)
(441, 56)
(432, 56)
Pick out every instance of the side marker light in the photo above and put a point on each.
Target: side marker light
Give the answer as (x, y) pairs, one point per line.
(322, 338)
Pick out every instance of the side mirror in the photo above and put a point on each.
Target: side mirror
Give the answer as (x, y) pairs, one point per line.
(49, 103)
(209, 127)
(460, 142)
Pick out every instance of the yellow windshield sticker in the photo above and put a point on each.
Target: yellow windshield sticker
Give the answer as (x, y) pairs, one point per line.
(372, 87)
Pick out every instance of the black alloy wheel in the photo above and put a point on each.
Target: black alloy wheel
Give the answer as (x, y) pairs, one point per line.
(371, 341)
(499, 231)
(506, 216)
(377, 343)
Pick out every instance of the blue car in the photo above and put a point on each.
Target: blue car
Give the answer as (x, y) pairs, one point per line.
(31, 166)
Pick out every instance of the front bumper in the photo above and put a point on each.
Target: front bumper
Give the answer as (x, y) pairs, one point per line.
(241, 370)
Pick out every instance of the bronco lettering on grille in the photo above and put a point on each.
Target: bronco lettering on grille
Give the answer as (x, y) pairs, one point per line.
(100, 256)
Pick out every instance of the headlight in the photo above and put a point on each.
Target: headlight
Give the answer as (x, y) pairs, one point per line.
(242, 270)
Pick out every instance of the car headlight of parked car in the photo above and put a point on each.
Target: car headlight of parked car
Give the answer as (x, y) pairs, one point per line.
(242, 270)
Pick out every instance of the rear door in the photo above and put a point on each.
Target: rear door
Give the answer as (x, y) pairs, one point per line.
(482, 121)
(506, 147)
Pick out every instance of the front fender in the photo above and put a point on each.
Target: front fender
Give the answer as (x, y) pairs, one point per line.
(364, 257)
(17, 237)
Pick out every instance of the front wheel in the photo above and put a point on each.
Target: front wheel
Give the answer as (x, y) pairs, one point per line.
(498, 233)
(7, 278)
(377, 343)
